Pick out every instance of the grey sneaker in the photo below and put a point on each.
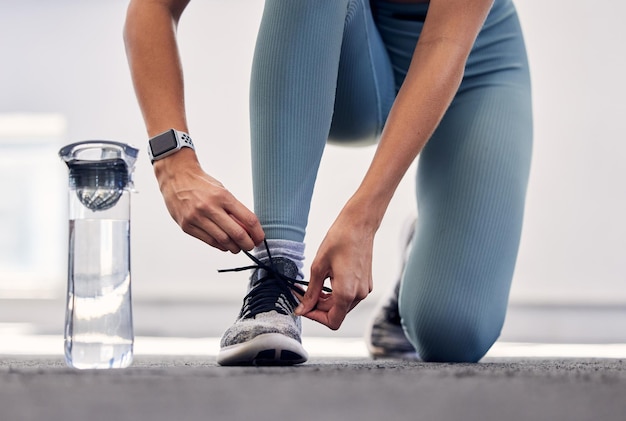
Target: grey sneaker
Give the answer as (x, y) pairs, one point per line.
(266, 331)
(386, 338)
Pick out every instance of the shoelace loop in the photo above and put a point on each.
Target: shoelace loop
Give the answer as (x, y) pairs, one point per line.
(271, 273)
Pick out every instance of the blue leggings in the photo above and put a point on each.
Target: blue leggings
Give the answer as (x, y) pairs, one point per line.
(330, 69)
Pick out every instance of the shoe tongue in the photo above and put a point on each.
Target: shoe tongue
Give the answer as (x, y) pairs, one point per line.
(281, 265)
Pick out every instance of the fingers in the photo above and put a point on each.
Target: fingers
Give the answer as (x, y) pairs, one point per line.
(313, 293)
(202, 235)
(332, 318)
(250, 223)
(223, 232)
(331, 313)
(328, 309)
(220, 221)
(332, 310)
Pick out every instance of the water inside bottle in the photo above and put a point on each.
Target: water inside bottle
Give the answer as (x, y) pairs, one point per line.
(99, 331)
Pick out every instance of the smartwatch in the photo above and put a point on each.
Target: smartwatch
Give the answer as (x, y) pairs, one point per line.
(167, 143)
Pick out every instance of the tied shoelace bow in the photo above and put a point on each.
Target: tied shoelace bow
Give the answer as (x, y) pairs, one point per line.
(265, 291)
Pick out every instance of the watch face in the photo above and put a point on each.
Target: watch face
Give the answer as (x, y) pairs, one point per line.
(163, 143)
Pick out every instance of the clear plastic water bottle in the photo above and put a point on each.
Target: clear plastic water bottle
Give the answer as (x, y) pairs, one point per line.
(99, 322)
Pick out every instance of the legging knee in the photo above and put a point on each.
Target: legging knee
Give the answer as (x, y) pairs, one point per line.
(447, 336)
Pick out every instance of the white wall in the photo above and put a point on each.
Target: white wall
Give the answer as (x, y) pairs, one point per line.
(574, 245)
(67, 57)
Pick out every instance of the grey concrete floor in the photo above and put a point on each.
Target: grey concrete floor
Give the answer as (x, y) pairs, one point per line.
(162, 388)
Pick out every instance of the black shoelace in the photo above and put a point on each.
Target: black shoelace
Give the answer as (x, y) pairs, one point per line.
(271, 292)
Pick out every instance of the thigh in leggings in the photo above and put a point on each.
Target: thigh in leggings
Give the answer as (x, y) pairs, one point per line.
(316, 63)
(471, 188)
(365, 82)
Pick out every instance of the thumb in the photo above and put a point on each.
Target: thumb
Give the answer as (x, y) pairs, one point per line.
(313, 292)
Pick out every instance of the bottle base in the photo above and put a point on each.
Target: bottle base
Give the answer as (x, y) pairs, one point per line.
(94, 356)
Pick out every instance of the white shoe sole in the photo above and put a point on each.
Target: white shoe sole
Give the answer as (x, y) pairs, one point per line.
(265, 349)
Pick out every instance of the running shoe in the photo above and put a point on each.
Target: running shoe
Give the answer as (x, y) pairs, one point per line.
(385, 337)
(266, 331)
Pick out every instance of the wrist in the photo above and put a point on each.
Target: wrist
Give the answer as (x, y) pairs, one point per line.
(168, 167)
(364, 213)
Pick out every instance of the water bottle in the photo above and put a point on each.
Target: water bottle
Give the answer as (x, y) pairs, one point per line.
(98, 320)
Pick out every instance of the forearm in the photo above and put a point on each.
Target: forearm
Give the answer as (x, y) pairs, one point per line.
(431, 83)
(196, 201)
(150, 40)
(418, 109)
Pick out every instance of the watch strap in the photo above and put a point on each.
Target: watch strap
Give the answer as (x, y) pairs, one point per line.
(184, 138)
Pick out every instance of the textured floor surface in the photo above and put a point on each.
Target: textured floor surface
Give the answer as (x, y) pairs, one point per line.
(192, 388)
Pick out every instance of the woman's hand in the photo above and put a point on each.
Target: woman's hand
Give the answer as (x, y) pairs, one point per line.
(345, 256)
(203, 207)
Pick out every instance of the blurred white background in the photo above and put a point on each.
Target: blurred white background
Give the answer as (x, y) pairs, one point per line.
(66, 58)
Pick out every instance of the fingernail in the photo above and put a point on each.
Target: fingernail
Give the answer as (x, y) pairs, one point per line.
(298, 310)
